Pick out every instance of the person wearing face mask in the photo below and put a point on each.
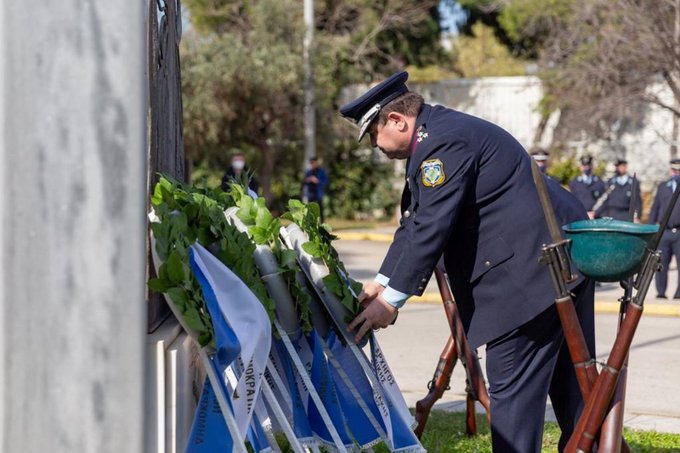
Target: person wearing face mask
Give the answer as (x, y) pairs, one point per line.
(237, 172)
(587, 187)
(621, 188)
(670, 241)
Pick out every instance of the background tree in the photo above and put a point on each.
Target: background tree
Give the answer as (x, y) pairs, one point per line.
(604, 58)
(242, 80)
(600, 60)
(482, 54)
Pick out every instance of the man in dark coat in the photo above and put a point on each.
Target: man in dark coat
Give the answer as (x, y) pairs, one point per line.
(587, 187)
(670, 241)
(314, 184)
(470, 197)
(620, 188)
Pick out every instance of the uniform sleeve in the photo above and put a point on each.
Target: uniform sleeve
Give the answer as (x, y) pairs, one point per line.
(654, 211)
(425, 234)
(394, 252)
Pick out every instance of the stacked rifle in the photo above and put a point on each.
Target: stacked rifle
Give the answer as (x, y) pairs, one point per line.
(604, 391)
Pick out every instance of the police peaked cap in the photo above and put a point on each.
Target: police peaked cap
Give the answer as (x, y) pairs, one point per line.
(540, 155)
(675, 164)
(620, 162)
(365, 108)
(586, 160)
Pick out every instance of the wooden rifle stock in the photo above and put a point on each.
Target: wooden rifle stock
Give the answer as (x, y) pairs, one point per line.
(584, 364)
(456, 347)
(596, 406)
(475, 375)
(437, 386)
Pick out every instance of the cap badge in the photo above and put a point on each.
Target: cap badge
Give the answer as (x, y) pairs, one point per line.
(432, 172)
(421, 134)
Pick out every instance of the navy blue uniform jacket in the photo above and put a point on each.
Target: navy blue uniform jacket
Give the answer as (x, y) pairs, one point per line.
(661, 201)
(586, 193)
(617, 205)
(484, 218)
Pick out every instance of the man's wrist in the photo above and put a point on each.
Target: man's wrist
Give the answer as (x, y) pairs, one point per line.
(382, 279)
(395, 298)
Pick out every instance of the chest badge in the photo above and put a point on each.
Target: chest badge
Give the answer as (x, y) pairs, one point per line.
(432, 172)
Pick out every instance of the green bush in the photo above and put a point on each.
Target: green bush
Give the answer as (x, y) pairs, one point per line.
(361, 186)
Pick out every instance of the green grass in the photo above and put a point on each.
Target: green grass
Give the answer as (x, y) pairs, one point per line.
(445, 433)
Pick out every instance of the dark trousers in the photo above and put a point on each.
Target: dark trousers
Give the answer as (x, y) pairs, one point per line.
(528, 364)
(320, 203)
(669, 246)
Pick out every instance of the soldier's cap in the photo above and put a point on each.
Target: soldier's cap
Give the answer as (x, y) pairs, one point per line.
(586, 160)
(364, 109)
(540, 155)
(675, 164)
(620, 162)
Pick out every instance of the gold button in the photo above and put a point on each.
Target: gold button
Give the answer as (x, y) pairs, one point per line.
(407, 214)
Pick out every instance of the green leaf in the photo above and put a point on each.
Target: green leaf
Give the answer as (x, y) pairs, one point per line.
(348, 302)
(158, 285)
(333, 284)
(313, 249)
(259, 234)
(179, 297)
(264, 217)
(288, 258)
(175, 268)
(356, 286)
(193, 319)
(205, 338)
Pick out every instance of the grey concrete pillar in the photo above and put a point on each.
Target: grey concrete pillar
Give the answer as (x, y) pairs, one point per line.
(72, 174)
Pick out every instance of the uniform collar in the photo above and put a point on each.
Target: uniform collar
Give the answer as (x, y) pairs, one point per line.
(423, 116)
(621, 180)
(419, 126)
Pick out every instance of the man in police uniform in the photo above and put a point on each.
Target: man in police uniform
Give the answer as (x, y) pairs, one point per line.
(621, 188)
(470, 198)
(587, 187)
(541, 158)
(670, 241)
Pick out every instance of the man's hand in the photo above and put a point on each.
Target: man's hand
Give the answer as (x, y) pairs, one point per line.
(376, 314)
(369, 292)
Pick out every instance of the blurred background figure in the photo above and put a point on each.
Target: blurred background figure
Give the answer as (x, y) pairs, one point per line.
(239, 172)
(587, 187)
(314, 184)
(620, 189)
(541, 157)
(670, 241)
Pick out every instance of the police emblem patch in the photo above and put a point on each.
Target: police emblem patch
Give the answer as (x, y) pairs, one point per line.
(432, 172)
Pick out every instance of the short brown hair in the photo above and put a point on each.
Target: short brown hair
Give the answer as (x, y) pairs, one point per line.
(408, 104)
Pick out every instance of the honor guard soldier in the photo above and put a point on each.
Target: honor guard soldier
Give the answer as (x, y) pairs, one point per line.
(670, 241)
(470, 199)
(620, 190)
(587, 187)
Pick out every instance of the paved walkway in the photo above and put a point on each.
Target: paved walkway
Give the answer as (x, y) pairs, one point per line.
(413, 345)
